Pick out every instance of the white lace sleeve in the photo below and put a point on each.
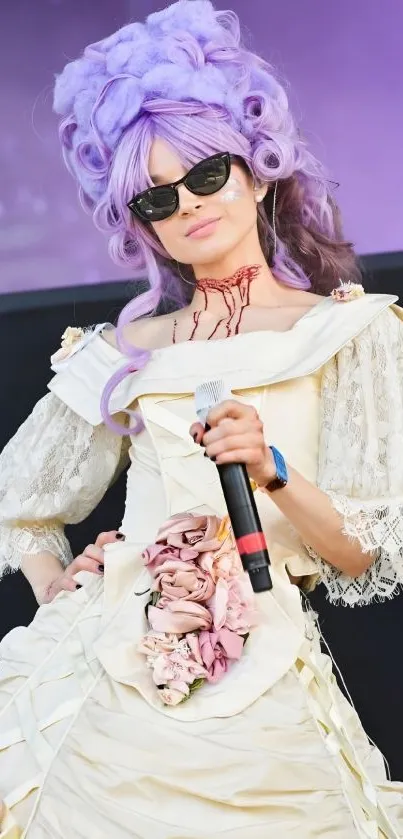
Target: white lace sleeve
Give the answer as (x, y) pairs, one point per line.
(53, 472)
(361, 457)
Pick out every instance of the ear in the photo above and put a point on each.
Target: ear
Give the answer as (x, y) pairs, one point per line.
(260, 192)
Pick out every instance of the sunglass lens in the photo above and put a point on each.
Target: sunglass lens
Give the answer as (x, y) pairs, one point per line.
(157, 203)
(208, 176)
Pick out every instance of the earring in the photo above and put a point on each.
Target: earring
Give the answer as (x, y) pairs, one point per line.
(273, 221)
(258, 195)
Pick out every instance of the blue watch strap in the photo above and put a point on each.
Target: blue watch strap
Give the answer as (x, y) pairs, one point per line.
(281, 479)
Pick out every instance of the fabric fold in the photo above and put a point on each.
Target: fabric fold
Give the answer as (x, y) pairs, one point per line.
(248, 360)
(360, 457)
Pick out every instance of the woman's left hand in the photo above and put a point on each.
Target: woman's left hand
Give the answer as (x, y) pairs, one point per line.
(236, 436)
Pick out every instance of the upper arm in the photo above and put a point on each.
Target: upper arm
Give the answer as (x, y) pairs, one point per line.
(54, 471)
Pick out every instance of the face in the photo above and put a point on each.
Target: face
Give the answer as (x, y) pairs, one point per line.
(204, 229)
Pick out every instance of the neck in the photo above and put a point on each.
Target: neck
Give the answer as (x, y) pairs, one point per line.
(248, 285)
(244, 273)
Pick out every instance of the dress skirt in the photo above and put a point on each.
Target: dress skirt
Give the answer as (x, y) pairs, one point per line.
(83, 756)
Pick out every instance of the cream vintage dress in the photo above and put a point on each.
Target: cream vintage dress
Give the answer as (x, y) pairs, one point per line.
(87, 750)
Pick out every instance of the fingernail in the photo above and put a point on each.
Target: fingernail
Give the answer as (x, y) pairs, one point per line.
(195, 437)
(213, 459)
(101, 568)
(205, 454)
(78, 585)
(121, 536)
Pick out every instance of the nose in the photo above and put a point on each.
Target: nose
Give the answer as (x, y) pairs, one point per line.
(188, 202)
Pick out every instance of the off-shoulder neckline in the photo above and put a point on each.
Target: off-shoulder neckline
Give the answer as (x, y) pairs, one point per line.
(230, 339)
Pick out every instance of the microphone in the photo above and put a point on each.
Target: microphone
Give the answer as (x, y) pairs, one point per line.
(239, 498)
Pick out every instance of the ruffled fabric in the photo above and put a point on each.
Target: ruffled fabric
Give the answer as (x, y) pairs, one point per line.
(244, 361)
(361, 455)
(83, 754)
(53, 472)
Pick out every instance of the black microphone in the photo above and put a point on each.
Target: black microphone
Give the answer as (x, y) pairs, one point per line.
(239, 498)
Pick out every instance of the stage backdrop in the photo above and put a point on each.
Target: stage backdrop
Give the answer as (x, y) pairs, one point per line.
(342, 60)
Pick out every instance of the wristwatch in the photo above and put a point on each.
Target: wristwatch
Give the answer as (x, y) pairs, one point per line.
(281, 479)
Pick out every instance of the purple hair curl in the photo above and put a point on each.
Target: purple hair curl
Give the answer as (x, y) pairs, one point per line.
(185, 77)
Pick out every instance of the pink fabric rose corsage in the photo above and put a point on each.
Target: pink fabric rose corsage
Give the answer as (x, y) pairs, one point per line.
(201, 608)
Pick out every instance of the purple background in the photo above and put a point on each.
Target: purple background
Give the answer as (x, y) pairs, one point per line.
(343, 62)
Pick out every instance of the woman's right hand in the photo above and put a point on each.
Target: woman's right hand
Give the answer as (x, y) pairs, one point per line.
(92, 560)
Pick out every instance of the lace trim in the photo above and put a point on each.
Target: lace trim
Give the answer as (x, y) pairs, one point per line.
(360, 458)
(54, 471)
(19, 542)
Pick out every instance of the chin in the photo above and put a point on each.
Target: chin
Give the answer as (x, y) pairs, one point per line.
(208, 253)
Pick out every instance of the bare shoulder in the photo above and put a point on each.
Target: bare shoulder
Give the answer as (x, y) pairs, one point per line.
(310, 299)
(298, 299)
(147, 333)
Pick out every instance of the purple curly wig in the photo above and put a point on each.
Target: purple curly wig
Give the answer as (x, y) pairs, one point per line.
(184, 76)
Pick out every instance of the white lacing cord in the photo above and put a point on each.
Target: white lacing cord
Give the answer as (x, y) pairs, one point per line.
(337, 668)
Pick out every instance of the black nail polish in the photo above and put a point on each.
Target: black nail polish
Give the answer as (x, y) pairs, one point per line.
(121, 536)
(101, 568)
(213, 459)
(78, 585)
(205, 454)
(194, 436)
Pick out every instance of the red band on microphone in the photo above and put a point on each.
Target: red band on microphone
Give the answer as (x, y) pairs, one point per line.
(251, 543)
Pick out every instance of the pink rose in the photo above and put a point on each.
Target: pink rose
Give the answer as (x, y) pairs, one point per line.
(173, 665)
(156, 555)
(178, 669)
(186, 531)
(155, 643)
(175, 673)
(218, 649)
(177, 580)
(224, 563)
(232, 605)
(179, 617)
(170, 696)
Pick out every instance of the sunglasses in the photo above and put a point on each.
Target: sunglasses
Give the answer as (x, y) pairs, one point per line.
(161, 202)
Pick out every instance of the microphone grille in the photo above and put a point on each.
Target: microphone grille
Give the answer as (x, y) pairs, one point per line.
(209, 394)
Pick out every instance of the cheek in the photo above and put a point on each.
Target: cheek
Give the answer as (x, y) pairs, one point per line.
(165, 232)
(234, 190)
(238, 205)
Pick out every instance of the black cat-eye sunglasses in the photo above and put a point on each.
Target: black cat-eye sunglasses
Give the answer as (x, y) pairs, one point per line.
(206, 178)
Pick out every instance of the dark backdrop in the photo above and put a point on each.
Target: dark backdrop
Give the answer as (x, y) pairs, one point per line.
(365, 642)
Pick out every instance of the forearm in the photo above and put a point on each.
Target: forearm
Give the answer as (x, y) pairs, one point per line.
(40, 571)
(313, 516)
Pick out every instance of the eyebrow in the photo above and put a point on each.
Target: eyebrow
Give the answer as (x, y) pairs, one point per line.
(158, 180)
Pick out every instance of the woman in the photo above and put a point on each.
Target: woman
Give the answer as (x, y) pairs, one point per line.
(155, 695)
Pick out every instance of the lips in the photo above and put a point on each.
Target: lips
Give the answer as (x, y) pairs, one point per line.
(200, 225)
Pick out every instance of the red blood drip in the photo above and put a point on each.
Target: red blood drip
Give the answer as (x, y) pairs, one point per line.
(227, 287)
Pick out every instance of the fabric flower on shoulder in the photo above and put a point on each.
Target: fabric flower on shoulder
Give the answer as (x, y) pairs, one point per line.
(70, 337)
(347, 291)
(74, 338)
